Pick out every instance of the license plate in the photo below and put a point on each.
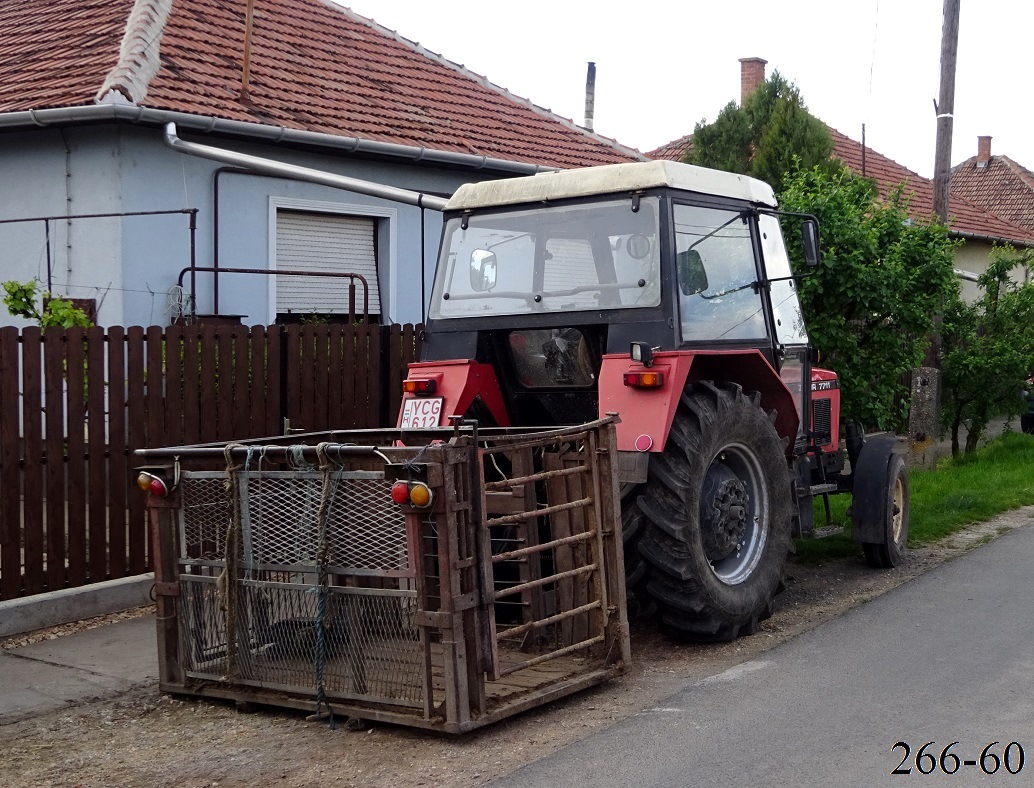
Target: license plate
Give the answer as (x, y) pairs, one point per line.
(421, 413)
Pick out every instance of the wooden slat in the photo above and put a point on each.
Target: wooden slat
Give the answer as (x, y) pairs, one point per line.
(224, 379)
(257, 424)
(78, 536)
(321, 417)
(346, 386)
(373, 378)
(118, 473)
(174, 386)
(335, 407)
(306, 371)
(137, 418)
(191, 385)
(274, 381)
(32, 421)
(54, 447)
(98, 447)
(10, 471)
(396, 372)
(155, 388)
(291, 372)
(241, 376)
(208, 385)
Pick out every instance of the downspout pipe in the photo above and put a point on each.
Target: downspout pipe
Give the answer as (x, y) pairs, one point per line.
(285, 170)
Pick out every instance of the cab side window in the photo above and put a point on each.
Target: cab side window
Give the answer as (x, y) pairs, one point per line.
(717, 274)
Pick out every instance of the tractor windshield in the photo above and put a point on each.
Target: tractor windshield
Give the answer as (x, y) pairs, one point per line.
(555, 258)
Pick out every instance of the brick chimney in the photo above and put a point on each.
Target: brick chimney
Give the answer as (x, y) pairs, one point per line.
(752, 74)
(983, 151)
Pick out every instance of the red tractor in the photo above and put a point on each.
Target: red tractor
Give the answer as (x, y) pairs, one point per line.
(662, 293)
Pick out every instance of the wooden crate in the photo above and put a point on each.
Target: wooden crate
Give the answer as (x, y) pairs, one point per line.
(504, 594)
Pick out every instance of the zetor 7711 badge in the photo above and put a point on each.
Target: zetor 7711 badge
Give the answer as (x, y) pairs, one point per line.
(421, 413)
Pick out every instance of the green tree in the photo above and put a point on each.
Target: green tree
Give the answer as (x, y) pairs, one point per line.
(870, 304)
(987, 350)
(766, 137)
(21, 301)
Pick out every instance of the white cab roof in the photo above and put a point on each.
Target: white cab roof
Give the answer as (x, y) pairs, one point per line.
(610, 179)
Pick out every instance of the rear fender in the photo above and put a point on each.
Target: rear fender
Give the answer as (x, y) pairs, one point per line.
(459, 383)
(647, 414)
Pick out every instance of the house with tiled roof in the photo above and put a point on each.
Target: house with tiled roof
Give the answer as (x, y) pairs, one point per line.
(89, 86)
(997, 184)
(977, 224)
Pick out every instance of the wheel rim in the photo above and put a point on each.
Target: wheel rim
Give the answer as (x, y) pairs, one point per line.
(734, 514)
(897, 521)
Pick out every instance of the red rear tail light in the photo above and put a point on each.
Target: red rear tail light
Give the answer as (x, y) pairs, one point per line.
(400, 492)
(149, 482)
(647, 379)
(419, 386)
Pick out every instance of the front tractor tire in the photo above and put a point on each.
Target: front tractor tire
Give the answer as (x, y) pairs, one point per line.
(717, 510)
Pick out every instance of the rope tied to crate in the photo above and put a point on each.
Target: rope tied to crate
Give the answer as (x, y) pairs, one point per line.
(322, 587)
(226, 584)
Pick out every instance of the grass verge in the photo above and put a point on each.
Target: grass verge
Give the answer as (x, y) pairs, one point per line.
(960, 491)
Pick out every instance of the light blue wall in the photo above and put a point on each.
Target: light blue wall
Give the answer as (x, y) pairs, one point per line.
(130, 264)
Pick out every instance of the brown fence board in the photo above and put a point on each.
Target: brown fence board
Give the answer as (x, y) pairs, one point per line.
(224, 381)
(321, 357)
(291, 372)
(208, 389)
(241, 384)
(274, 375)
(191, 385)
(349, 366)
(174, 386)
(118, 472)
(155, 384)
(32, 480)
(136, 417)
(75, 406)
(98, 449)
(54, 356)
(10, 470)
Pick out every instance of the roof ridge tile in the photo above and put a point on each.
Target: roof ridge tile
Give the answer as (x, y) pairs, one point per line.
(138, 59)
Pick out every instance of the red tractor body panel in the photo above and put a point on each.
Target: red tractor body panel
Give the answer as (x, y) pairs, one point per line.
(647, 413)
(825, 407)
(457, 385)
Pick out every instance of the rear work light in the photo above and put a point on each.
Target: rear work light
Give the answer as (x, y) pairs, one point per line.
(646, 379)
(419, 387)
(153, 484)
(415, 494)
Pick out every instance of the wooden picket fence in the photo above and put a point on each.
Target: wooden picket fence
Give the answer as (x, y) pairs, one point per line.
(75, 404)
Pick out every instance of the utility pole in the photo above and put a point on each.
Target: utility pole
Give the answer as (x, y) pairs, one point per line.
(945, 109)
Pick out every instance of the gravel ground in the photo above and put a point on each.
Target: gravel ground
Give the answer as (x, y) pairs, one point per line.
(146, 739)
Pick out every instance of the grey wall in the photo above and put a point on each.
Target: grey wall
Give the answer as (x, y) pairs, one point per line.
(130, 264)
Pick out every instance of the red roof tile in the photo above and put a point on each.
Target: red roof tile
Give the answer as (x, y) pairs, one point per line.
(1002, 186)
(314, 66)
(966, 217)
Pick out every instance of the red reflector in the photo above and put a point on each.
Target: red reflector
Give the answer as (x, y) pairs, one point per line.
(400, 492)
(419, 386)
(644, 380)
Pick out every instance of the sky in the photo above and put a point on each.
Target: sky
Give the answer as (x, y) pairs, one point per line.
(663, 67)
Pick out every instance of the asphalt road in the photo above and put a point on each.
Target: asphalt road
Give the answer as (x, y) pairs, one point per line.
(948, 657)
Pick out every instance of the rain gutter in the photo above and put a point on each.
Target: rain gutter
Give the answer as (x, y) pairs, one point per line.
(61, 116)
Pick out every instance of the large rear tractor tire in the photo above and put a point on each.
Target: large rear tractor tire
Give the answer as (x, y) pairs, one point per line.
(717, 515)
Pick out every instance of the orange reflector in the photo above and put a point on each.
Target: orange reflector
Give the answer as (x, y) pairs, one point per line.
(419, 386)
(143, 481)
(646, 379)
(420, 495)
